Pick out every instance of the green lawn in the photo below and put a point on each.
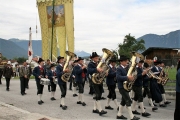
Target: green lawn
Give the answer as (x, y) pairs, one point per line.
(172, 74)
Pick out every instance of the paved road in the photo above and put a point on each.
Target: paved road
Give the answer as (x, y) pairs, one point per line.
(74, 111)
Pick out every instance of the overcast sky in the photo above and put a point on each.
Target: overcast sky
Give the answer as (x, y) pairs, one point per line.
(98, 23)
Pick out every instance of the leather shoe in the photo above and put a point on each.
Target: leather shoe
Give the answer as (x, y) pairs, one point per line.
(136, 112)
(42, 101)
(102, 112)
(140, 107)
(121, 117)
(95, 111)
(162, 105)
(53, 98)
(83, 104)
(108, 107)
(74, 95)
(79, 102)
(145, 114)
(167, 102)
(60, 105)
(64, 107)
(135, 118)
(103, 98)
(39, 102)
(154, 108)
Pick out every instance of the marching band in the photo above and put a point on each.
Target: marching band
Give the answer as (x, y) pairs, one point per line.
(145, 80)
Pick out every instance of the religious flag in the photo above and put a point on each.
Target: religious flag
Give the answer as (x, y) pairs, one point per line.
(30, 51)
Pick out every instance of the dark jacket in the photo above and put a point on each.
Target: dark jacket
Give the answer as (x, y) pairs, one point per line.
(178, 81)
(50, 75)
(121, 76)
(78, 74)
(146, 80)
(7, 72)
(37, 73)
(139, 80)
(59, 73)
(91, 68)
(110, 79)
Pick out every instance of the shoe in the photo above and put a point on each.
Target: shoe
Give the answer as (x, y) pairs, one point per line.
(135, 118)
(94, 98)
(167, 102)
(162, 105)
(42, 101)
(7, 89)
(108, 107)
(22, 94)
(39, 102)
(154, 104)
(64, 107)
(49, 90)
(136, 112)
(83, 104)
(60, 105)
(79, 102)
(103, 98)
(95, 111)
(154, 108)
(121, 117)
(25, 93)
(102, 112)
(118, 109)
(74, 95)
(140, 107)
(145, 114)
(53, 98)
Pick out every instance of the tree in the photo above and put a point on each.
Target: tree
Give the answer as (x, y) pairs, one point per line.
(130, 44)
(20, 59)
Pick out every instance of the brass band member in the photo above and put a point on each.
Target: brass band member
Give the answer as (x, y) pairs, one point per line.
(147, 92)
(121, 76)
(137, 88)
(62, 84)
(161, 87)
(80, 78)
(39, 72)
(154, 88)
(24, 75)
(97, 87)
(51, 76)
(73, 79)
(47, 68)
(111, 83)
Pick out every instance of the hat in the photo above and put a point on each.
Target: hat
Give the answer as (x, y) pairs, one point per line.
(79, 58)
(157, 61)
(94, 54)
(123, 58)
(9, 62)
(52, 65)
(146, 65)
(141, 61)
(40, 60)
(113, 59)
(58, 58)
(75, 61)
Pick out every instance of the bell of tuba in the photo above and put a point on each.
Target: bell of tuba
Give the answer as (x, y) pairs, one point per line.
(164, 76)
(136, 57)
(66, 76)
(98, 78)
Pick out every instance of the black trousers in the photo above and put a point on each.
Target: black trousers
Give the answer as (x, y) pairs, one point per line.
(23, 82)
(70, 83)
(91, 88)
(112, 93)
(7, 82)
(147, 92)
(53, 87)
(49, 87)
(27, 83)
(138, 93)
(74, 82)
(98, 90)
(39, 87)
(125, 97)
(63, 89)
(161, 87)
(177, 107)
(0, 78)
(81, 87)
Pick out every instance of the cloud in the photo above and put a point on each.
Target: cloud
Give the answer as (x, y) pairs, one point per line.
(98, 23)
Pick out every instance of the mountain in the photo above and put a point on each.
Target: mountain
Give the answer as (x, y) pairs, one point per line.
(10, 50)
(82, 53)
(170, 40)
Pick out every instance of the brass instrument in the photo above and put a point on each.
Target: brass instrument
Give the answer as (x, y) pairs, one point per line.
(151, 74)
(164, 77)
(136, 57)
(98, 78)
(66, 76)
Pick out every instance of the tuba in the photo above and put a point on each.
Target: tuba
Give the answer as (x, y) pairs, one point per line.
(98, 78)
(66, 76)
(136, 57)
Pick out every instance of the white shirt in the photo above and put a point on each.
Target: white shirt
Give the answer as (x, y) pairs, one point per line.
(123, 66)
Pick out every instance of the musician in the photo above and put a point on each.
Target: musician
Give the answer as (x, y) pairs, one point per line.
(39, 72)
(51, 76)
(137, 88)
(111, 83)
(24, 75)
(161, 87)
(97, 87)
(47, 68)
(80, 78)
(8, 73)
(177, 106)
(121, 76)
(154, 88)
(73, 79)
(62, 84)
(147, 92)
(29, 75)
